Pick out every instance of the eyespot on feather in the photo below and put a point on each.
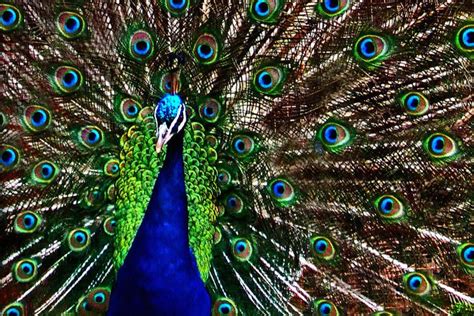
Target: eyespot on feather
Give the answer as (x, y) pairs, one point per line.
(332, 8)
(14, 309)
(465, 253)
(206, 49)
(70, 25)
(141, 46)
(322, 307)
(27, 222)
(44, 172)
(370, 50)
(269, 80)
(67, 79)
(25, 270)
(176, 7)
(322, 248)
(90, 137)
(265, 11)
(441, 147)
(224, 306)
(282, 192)
(335, 136)
(242, 249)
(36, 118)
(9, 157)
(414, 103)
(417, 284)
(98, 299)
(78, 239)
(110, 226)
(390, 207)
(210, 110)
(10, 17)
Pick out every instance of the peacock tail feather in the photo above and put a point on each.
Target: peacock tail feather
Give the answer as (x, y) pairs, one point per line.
(327, 153)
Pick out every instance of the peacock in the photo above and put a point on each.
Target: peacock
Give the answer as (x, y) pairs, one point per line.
(241, 157)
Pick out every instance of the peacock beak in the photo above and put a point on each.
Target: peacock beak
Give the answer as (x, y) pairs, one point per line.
(170, 107)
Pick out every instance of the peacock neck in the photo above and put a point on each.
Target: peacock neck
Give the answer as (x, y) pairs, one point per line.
(160, 260)
(164, 230)
(168, 204)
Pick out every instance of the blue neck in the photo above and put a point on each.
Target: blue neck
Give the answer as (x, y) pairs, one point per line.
(160, 275)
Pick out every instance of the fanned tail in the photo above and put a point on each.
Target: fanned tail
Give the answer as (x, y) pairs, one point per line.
(340, 140)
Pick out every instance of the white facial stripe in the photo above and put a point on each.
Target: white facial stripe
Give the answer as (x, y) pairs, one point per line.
(164, 133)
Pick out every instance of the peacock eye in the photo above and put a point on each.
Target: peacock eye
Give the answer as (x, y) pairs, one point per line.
(384, 313)
(389, 207)
(371, 50)
(224, 178)
(112, 168)
(414, 103)
(91, 137)
(206, 49)
(465, 39)
(466, 254)
(332, 8)
(78, 239)
(14, 309)
(323, 307)
(169, 82)
(44, 172)
(210, 110)
(141, 45)
(27, 222)
(334, 136)
(417, 284)
(441, 147)
(224, 307)
(322, 248)
(9, 157)
(10, 17)
(70, 25)
(269, 80)
(265, 11)
(67, 79)
(98, 299)
(243, 146)
(176, 7)
(241, 249)
(36, 118)
(110, 226)
(371, 47)
(129, 109)
(25, 270)
(282, 192)
(92, 197)
(234, 204)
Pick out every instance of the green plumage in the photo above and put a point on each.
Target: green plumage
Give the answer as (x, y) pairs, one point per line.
(139, 165)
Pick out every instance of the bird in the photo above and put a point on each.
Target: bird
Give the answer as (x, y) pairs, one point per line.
(241, 157)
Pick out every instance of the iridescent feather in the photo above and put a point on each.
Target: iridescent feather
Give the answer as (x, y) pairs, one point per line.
(327, 152)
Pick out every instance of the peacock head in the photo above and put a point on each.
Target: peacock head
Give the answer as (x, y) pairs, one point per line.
(170, 117)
